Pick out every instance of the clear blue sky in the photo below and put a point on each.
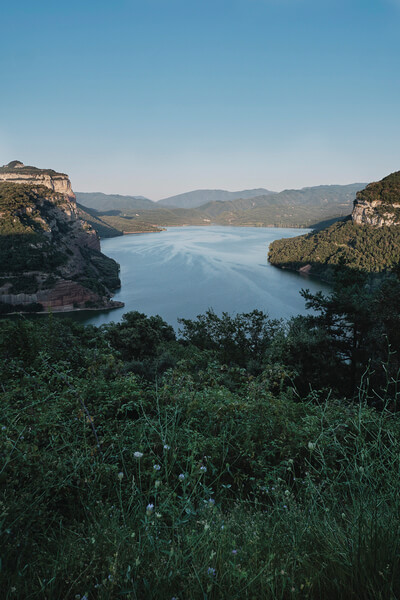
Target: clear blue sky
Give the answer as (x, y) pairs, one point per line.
(156, 97)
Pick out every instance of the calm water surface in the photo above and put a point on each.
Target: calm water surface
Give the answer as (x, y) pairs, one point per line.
(184, 271)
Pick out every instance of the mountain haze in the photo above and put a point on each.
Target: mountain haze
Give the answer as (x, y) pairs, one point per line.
(104, 202)
(197, 198)
(307, 207)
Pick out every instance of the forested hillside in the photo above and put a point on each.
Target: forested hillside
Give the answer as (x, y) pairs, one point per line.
(369, 240)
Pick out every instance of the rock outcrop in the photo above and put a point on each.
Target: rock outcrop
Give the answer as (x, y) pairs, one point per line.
(17, 172)
(368, 240)
(49, 256)
(379, 203)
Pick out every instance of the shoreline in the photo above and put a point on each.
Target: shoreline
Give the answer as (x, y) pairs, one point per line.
(62, 310)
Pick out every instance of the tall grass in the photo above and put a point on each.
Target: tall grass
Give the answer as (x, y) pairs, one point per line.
(196, 492)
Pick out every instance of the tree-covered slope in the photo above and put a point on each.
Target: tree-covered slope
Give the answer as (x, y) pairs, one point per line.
(369, 240)
(344, 243)
(49, 257)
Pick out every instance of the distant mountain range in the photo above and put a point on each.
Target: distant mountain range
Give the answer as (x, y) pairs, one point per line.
(197, 198)
(105, 202)
(307, 207)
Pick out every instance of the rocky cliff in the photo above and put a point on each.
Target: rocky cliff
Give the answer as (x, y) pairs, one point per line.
(379, 203)
(49, 256)
(17, 172)
(368, 240)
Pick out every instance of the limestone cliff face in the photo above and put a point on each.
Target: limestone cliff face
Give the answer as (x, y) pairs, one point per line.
(379, 203)
(17, 172)
(48, 254)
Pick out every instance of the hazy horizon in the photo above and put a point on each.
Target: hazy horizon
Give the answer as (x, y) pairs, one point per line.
(210, 189)
(160, 97)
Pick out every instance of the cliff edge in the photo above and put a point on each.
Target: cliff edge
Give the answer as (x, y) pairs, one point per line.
(367, 240)
(49, 256)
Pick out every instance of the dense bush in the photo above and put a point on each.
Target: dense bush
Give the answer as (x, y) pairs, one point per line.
(225, 475)
(343, 245)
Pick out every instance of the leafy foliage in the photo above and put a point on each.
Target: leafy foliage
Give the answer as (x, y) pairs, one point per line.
(248, 458)
(121, 477)
(387, 190)
(343, 245)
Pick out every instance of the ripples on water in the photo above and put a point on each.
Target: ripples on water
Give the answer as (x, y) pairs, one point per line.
(184, 271)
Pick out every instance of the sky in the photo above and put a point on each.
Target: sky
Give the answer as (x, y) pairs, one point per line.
(158, 97)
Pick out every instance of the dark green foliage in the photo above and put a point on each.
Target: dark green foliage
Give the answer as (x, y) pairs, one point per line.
(241, 340)
(27, 170)
(114, 487)
(32, 307)
(142, 343)
(387, 190)
(344, 244)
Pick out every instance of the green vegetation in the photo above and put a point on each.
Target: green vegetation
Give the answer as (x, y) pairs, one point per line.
(249, 458)
(27, 170)
(387, 190)
(344, 244)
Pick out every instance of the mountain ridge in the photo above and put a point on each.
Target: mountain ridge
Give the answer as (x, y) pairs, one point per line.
(196, 198)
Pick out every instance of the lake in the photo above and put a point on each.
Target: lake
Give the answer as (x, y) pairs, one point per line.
(184, 271)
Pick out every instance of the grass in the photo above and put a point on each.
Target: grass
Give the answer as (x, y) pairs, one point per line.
(196, 491)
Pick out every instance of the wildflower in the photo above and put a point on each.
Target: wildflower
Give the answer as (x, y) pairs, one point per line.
(234, 551)
(203, 468)
(166, 447)
(284, 506)
(156, 467)
(120, 475)
(211, 501)
(158, 515)
(149, 509)
(110, 578)
(181, 476)
(3, 428)
(138, 454)
(311, 446)
(211, 572)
